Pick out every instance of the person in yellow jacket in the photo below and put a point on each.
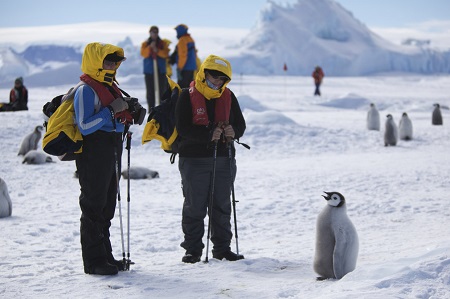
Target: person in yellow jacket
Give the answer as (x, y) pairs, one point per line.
(101, 115)
(208, 117)
(154, 50)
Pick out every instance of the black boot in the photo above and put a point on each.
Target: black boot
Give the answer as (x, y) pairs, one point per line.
(191, 258)
(118, 263)
(101, 269)
(228, 255)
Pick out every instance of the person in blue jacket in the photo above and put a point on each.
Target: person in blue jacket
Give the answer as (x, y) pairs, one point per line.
(185, 56)
(101, 115)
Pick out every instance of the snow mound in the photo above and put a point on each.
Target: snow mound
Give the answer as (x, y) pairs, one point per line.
(349, 101)
(247, 102)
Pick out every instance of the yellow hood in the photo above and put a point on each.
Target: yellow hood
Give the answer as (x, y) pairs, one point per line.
(212, 62)
(92, 61)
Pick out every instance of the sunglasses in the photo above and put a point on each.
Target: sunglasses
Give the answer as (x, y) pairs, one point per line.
(109, 63)
(223, 78)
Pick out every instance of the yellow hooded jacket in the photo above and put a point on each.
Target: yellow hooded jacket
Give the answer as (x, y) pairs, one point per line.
(216, 63)
(92, 62)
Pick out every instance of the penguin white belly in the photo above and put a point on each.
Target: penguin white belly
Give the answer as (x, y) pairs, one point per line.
(405, 129)
(373, 119)
(5, 200)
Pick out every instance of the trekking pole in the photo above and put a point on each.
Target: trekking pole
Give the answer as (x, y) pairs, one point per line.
(120, 207)
(128, 147)
(230, 158)
(156, 80)
(211, 199)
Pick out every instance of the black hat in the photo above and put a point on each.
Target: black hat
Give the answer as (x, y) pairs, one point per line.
(114, 57)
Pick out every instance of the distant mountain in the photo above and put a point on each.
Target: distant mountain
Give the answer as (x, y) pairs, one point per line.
(301, 35)
(41, 54)
(322, 32)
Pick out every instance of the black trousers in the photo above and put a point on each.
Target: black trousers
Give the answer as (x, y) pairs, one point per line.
(96, 167)
(317, 91)
(196, 178)
(150, 86)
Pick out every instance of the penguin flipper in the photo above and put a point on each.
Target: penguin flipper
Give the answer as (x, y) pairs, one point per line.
(341, 248)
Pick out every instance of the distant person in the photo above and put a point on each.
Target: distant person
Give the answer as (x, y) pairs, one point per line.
(208, 118)
(18, 97)
(185, 56)
(154, 49)
(318, 77)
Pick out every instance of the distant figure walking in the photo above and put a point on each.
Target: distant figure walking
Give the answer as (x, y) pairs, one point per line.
(437, 116)
(318, 75)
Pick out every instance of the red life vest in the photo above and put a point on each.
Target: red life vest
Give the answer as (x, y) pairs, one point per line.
(105, 96)
(13, 94)
(200, 114)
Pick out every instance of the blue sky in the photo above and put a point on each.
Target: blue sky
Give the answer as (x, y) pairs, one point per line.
(230, 13)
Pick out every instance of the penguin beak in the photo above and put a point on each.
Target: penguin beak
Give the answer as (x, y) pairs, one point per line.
(328, 195)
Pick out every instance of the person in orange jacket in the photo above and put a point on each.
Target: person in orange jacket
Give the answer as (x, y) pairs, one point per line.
(154, 49)
(185, 56)
(318, 77)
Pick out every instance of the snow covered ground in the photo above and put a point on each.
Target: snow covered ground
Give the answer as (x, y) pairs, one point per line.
(397, 197)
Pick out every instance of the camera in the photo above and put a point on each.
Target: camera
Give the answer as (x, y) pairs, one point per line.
(136, 110)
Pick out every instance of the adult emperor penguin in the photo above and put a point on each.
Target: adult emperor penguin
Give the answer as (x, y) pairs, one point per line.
(36, 157)
(436, 118)
(337, 243)
(390, 132)
(373, 118)
(405, 127)
(30, 142)
(5, 200)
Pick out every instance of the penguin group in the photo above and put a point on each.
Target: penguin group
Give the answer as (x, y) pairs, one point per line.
(404, 131)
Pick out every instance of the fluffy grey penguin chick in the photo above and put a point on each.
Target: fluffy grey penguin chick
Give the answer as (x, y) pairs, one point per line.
(390, 132)
(405, 127)
(30, 142)
(337, 243)
(5, 200)
(436, 118)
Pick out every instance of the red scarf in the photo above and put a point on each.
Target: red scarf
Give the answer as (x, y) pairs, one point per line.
(106, 96)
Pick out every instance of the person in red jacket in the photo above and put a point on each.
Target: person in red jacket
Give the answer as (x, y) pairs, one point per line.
(318, 77)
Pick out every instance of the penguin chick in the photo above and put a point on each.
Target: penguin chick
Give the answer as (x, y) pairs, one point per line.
(390, 132)
(337, 242)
